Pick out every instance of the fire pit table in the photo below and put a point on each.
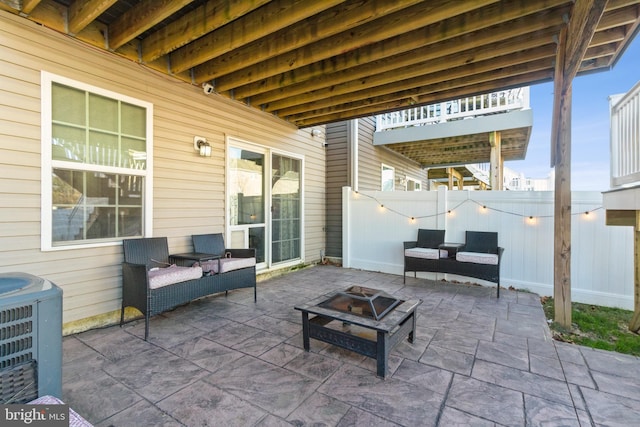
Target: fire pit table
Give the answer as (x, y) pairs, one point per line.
(364, 320)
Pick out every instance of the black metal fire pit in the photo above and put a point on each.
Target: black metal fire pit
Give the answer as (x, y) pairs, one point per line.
(360, 319)
(361, 301)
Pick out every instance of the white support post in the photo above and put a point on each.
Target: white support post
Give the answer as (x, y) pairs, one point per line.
(346, 227)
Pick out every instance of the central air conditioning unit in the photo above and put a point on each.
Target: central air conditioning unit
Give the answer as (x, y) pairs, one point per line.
(30, 338)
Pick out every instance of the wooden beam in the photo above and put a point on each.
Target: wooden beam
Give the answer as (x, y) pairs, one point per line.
(415, 17)
(449, 179)
(452, 174)
(562, 214)
(318, 102)
(620, 217)
(452, 53)
(495, 177)
(209, 17)
(561, 158)
(582, 25)
(613, 35)
(274, 16)
(442, 36)
(50, 14)
(423, 73)
(83, 12)
(427, 95)
(573, 43)
(607, 50)
(343, 17)
(618, 18)
(28, 6)
(140, 18)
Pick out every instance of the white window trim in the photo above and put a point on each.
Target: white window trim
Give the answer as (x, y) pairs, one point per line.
(417, 181)
(46, 80)
(393, 179)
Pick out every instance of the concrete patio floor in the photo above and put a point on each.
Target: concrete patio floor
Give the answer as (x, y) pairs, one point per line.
(227, 361)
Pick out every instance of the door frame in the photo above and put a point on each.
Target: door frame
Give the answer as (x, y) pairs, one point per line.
(268, 152)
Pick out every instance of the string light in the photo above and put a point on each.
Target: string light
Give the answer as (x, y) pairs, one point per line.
(451, 212)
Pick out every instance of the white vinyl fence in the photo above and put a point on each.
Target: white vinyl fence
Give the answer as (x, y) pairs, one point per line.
(376, 223)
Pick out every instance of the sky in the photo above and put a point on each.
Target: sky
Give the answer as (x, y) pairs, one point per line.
(589, 123)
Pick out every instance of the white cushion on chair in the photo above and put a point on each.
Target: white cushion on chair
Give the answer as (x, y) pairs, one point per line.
(173, 274)
(477, 257)
(426, 253)
(223, 265)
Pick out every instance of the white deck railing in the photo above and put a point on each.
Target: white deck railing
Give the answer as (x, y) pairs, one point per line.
(625, 137)
(489, 103)
(511, 179)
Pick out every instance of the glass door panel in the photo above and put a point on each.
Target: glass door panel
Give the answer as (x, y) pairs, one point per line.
(286, 209)
(246, 199)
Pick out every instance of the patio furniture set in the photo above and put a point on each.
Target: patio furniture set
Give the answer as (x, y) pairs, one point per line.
(478, 257)
(359, 319)
(153, 281)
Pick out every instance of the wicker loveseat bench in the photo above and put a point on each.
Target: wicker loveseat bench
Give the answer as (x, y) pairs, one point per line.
(153, 285)
(478, 257)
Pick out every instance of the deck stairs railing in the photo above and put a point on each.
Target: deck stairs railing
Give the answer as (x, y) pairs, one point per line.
(625, 138)
(458, 109)
(482, 173)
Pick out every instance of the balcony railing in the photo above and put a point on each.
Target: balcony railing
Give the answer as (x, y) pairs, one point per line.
(625, 138)
(485, 104)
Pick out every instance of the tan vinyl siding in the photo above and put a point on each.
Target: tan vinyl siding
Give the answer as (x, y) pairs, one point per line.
(371, 158)
(189, 191)
(337, 177)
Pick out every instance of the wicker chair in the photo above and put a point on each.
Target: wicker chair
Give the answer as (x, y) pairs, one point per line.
(481, 244)
(479, 257)
(141, 255)
(423, 254)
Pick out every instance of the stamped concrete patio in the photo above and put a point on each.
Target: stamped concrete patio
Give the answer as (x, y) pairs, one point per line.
(227, 361)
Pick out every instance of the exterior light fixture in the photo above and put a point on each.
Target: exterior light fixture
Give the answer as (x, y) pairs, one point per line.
(202, 146)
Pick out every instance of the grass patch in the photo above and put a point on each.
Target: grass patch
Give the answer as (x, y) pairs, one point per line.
(597, 327)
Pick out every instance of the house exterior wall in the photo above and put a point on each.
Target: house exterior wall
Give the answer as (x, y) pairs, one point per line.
(337, 177)
(189, 190)
(369, 160)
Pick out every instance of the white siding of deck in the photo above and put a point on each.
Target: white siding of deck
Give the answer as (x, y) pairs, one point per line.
(188, 189)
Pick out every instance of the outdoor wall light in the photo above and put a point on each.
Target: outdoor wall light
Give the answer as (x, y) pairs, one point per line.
(202, 146)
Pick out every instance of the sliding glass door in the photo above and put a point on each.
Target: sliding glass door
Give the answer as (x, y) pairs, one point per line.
(265, 217)
(286, 209)
(246, 201)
